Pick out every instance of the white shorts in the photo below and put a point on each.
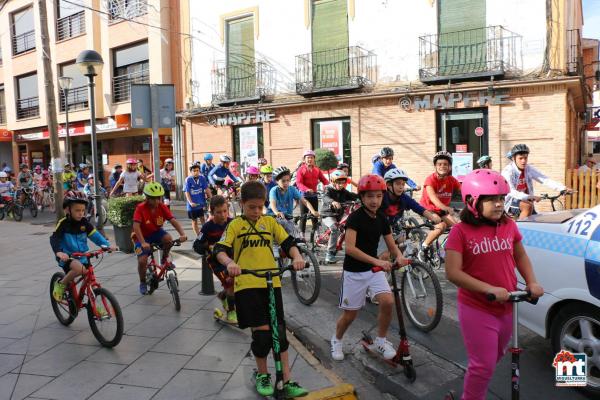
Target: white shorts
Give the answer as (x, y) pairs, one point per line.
(355, 286)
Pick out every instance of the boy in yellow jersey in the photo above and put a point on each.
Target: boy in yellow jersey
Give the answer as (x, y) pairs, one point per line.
(248, 243)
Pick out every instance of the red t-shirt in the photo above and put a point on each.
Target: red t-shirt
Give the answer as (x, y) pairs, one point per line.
(487, 253)
(443, 188)
(522, 183)
(151, 220)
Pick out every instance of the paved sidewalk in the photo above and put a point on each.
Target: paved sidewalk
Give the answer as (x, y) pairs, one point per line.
(164, 354)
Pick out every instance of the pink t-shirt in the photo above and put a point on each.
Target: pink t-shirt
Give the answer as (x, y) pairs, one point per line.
(487, 253)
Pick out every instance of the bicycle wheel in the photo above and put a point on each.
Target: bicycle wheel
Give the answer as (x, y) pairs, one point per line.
(32, 208)
(66, 309)
(2, 213)
(422, 296)
(106, 325)
(307, 283)
(174, 289)
(17, 212)
(558, 205)
(320, 240)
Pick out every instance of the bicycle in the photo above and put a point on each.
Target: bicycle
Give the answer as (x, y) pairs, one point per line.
(47, 199)
(10, 205)
(156, 273)
(92, 215)
(307, 282)
(28, 201)
(556, 204)
(320, 236)
(103, 309)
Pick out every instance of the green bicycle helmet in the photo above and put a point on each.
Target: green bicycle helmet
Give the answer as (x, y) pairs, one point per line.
(266, 169)
(154, 189)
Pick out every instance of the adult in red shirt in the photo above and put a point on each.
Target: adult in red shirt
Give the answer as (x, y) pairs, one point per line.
(307, 179)
(439, 187)
(148, 219)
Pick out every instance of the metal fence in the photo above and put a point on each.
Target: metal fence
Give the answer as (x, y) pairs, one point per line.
(70, 26)
(121, 85)
(574, 52)
(126, 9)
(337, 69)
(28, 107)
(242, 81)
(486, 51)
(77, 99)
(2, 115)
(23, 42)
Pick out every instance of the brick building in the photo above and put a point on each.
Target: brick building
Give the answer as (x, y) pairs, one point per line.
(483, 78)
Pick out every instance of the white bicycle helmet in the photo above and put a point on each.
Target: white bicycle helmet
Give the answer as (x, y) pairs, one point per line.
(338, 174)
(225, 158)
(393, 174)
(280, 171)
(442, 155)
(3, 174)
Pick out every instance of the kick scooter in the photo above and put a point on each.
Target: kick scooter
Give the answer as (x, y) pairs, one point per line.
(269, 274)
(402, 356)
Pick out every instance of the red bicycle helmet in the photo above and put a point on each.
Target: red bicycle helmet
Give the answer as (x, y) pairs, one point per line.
(371, 182)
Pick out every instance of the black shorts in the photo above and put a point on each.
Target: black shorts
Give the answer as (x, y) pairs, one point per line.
(195, 214)
(252, 307)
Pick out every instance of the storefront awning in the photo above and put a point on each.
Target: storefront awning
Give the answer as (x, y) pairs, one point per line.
(79, 128)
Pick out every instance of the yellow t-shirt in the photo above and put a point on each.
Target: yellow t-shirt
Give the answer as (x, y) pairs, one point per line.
(257, 248)
(68, 176)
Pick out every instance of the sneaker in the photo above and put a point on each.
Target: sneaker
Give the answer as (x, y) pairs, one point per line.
(337, 352)
(232, 316)
(384, 348)
(292, 390)
(58, 291)
(143, 288)
(330, 259)
(263, 384)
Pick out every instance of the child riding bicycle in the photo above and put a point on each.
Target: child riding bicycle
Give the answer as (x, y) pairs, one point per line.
(148, 219)
(247, 243)
(71, 235)
(210, 234)
(437, 195)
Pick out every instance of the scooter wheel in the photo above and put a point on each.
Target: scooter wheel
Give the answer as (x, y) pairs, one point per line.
(410, 373)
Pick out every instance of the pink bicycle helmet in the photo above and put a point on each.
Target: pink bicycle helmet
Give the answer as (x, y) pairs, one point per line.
(308, 153)
(131, 161)
(482, 182)
(252, 170)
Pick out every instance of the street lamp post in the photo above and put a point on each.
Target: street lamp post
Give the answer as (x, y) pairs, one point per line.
(90, 63)
(65, 83)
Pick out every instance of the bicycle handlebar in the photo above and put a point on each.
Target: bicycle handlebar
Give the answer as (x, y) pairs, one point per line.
(91, 254)
(395, 266)
(159, 246)
(262, 273)
(515, 297)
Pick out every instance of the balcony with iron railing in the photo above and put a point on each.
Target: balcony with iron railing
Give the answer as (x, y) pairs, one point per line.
(77, 99)
(2, 115)
(245, 82)
(119, 10)
(121, 85)
(469, 54)
(574, 52)
(28, 108)
(23, 43)
(335, 70)
(70, 26)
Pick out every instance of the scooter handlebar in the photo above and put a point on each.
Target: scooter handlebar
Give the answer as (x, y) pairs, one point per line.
(262, 273)
(515, 297)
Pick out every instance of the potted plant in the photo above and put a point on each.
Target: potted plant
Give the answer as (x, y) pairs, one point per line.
(325, 160)
(120, 214)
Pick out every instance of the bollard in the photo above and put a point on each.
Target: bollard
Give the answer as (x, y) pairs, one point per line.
(208, 286)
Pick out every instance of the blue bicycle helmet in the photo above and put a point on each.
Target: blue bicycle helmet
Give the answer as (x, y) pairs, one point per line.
(208, 156)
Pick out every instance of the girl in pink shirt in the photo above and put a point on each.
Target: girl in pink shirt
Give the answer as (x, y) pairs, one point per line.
(481, 253)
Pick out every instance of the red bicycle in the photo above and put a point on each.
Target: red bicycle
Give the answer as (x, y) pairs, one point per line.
(103, 310)
(321, 237)
(156, 273)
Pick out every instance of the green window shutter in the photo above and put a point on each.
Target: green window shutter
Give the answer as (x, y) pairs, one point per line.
(241, 72)
(329, 42)
(462, 36)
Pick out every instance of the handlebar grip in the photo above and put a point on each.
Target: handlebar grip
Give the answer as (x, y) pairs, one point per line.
(376, 269)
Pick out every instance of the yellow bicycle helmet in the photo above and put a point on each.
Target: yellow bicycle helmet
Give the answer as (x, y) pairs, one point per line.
(266, 169)
(154, 189)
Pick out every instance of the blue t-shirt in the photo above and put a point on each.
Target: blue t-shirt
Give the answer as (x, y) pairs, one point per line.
(196, 187)
(269, 186)
(284, 201)
(81, 177)
(394, 210)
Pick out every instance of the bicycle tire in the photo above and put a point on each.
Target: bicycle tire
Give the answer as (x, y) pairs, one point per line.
(174, 289)
(17, 213)
(319, 239)
(33, 209)
(68, 305)
(2, 213)
(309, 277)
(558, 205)
(423, 314)
(151, 280)
(114, 313)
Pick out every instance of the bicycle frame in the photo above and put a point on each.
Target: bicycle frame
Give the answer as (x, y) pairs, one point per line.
(86, 283)
(340, 225)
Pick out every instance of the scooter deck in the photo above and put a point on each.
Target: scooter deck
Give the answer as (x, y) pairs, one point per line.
(220, 317)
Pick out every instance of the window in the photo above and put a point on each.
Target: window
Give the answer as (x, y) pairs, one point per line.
(27, 96)
(131, 65)
(329, 28)
(248, 145)
(2, 106)
(241, 70)
(333, 134)
(462, 36)
(23, 34)
(78, 93)
(126, 9)
(70, 20)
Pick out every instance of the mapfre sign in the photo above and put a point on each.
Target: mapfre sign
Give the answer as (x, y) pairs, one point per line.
(451, 100)
(242, 118)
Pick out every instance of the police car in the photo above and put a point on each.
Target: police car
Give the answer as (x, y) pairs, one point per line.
(564, 248)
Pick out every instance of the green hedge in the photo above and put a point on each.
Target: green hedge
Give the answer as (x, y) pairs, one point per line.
(121, 209)
(325, 159)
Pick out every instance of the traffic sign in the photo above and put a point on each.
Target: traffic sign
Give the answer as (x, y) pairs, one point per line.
(479, 131)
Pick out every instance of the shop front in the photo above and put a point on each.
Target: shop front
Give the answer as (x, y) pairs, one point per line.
(469, 120)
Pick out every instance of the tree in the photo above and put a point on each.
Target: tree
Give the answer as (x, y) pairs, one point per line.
(325, 159)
